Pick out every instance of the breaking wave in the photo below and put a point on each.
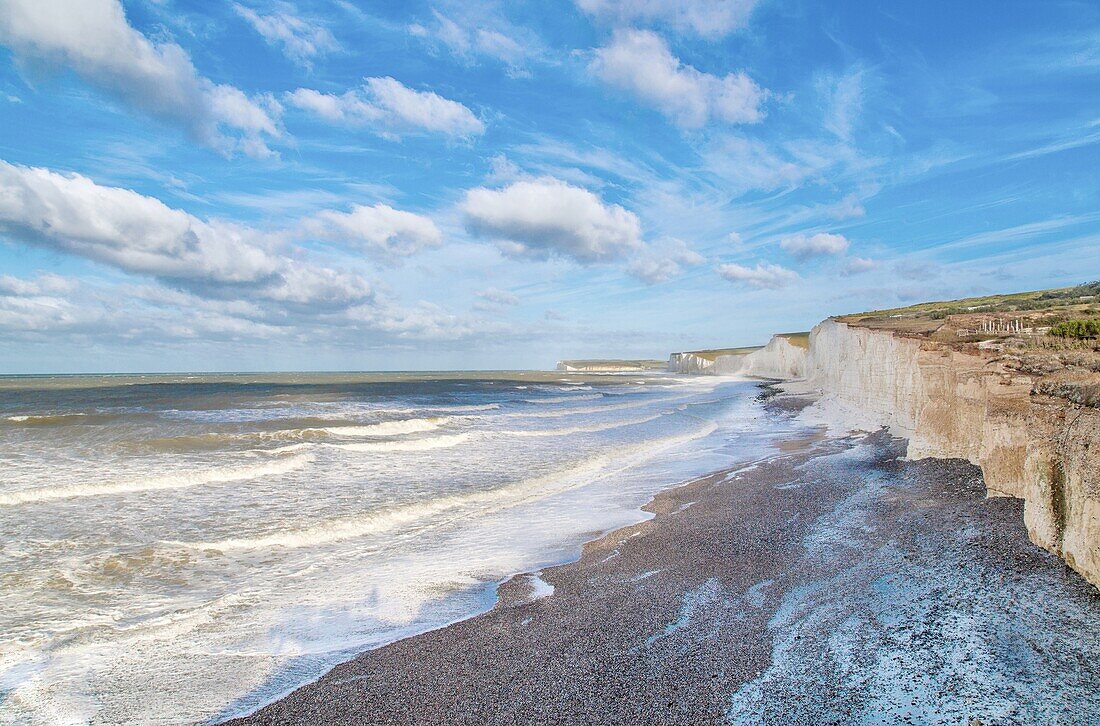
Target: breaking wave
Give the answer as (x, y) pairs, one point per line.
(386, 520)
(181, 480)
(436, 442)
(389, 428)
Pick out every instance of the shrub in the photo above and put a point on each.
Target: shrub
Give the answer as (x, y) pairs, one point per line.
(1077, 329)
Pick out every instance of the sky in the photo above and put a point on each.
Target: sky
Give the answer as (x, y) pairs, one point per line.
(339, 185)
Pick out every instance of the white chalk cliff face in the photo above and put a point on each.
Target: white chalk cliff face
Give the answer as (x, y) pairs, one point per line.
(778, 359)
(950, 404)
(690, 363)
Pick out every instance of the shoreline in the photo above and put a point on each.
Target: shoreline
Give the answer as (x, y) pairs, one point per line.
(496, 592)
(674, 618)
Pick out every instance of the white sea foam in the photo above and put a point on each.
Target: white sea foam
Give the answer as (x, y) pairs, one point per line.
(180, 480)
(564, 399)
(389, 428)
(566, 431)
(558, 413)
(435, 442)
(509, 495)
(375, 536)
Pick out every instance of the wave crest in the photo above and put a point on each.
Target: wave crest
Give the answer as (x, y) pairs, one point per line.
(181, 480)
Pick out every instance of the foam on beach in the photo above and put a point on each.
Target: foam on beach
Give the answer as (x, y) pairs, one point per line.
(235, 541)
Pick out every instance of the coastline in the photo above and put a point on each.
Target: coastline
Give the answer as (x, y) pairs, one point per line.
(719, 606)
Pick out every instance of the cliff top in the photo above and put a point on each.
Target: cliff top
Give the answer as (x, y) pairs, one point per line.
(611, 364)
(713, 353)
(1050, 335)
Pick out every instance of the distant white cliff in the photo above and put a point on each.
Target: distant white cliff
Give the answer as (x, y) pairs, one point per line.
(780, 358)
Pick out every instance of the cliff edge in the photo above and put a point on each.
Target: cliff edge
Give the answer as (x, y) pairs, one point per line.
(975, 404)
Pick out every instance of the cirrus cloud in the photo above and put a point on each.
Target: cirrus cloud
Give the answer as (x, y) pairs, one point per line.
(300, 39)
(708, 18)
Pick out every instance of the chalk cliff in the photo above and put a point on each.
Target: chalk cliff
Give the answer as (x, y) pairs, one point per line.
(778, 359)
(953, 404)
(691, 363)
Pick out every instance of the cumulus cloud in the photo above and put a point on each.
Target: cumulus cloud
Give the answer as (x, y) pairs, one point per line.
(94, 40)
(142, 235)
(708, 18)
(392, 107)
(300, 39)
(806, 246)
(547, 217)
(385, 233)
(641, 63)
(663, 261)
(763, 276)
(858, 265)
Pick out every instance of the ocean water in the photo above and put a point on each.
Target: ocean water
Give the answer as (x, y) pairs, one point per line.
(184, 549)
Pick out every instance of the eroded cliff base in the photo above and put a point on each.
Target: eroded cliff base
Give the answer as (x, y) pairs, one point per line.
(835, 583)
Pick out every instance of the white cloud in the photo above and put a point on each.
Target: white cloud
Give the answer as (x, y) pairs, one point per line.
(858, 265)
(392, 107)
(300, 39)
(496, 297)
(750, 164)
(640, 62)
(663, 261)
(94, 39)
(804, 246)
(763, 276)
(844, 102)
(142, 235)
(386, 233)
(847, 208)
(33, 306)
(473, 37)
(45, 284)
(708, 18)
(545, 217)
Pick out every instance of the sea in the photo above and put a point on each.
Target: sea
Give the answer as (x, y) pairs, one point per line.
(187, 548)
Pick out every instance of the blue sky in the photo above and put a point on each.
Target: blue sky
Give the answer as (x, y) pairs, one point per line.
(432, 185)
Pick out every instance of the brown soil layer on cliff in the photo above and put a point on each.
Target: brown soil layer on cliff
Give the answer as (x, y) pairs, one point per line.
(831, 585)
(1012, 332)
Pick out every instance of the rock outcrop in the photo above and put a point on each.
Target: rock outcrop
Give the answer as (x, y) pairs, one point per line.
(952, 404)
